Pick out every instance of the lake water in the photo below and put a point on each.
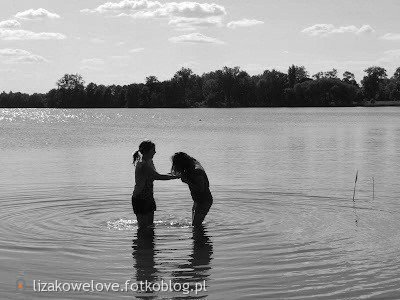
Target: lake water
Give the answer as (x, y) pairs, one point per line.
(283, 224)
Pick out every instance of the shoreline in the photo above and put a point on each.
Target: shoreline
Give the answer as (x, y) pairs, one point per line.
(376, 104)
(382, 103)
(205, 107)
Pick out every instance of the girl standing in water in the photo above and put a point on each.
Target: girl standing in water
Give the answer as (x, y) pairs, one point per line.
(145, 173)
(193, 174)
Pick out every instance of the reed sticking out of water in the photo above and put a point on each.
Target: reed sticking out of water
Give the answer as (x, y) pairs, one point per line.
(355, 182)
(373, 188)
(354, 202)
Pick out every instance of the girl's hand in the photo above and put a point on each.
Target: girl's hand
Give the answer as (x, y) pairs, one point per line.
(174, 176)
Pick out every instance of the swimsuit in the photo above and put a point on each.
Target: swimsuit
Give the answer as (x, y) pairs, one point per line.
(202, 200)
(144, 203)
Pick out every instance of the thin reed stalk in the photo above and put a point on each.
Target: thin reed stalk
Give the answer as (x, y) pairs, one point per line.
(355, 183)
(373, 188)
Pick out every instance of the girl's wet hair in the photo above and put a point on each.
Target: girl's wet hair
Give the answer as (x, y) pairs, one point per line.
(144, 147)
(182, 162)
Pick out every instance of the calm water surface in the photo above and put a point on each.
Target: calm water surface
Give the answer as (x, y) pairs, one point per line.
(283, 224)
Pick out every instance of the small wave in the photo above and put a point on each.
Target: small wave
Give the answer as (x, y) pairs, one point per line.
(122, 224)
(126, 224)
(173, 223)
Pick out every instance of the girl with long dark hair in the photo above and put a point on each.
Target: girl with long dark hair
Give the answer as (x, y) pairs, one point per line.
(192, 173)
(143, 202)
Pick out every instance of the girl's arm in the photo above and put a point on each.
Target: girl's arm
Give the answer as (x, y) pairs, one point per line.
(152, 173)
(157, 176)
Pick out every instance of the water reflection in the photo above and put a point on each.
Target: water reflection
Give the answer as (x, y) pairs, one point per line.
(144, 262)
(196, 271)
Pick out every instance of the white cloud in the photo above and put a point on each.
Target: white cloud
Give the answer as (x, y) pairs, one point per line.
(326, 29)
(8, 34)
(192, 10)
(10, 24)
(8, 70)
(182, 23)
(90, 68)
(244, 23)
(156, 9)
(365, 29)
(120, 57)
(8, 55)
(319, 29)
(97, 40)
(38, 14)
(390, 57)
(120, 44)
(395, 52)
(93, 61)
(92, 64)
(183, 15)
(124, 6)
(195, 38)
(391, 36)
(136, 50)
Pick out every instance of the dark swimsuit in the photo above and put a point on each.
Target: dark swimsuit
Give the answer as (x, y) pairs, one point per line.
(144, 202)
(202, 200)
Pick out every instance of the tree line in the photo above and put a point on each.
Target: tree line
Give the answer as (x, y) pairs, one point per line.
(228, 87)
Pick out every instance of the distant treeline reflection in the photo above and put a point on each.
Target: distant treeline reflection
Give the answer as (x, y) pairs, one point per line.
(229, 87)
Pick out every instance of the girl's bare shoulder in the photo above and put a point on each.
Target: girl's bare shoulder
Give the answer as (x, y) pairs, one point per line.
(199, 168)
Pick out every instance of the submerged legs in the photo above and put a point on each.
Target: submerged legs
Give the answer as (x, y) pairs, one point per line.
(146, 220)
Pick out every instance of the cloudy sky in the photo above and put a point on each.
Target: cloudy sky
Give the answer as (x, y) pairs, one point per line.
(124, 41)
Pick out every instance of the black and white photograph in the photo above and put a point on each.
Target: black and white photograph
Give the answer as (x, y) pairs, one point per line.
(222, 149)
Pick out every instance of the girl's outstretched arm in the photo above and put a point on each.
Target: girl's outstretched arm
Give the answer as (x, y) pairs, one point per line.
(156, 176)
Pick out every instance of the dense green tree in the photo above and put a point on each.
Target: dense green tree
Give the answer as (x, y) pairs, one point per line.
(52, 99)
(90, 90)
(228, 81)
(318, 75)
(118, 96)
(396, 75)
(372, 83)
(17, 99)
(392, 87)
(188, 87)
(349, 78)
(325, 92)
(296, 75)
(227, 87)
(70, 82)
(393, 90)
(70, 91)
(331, 74)
(36, 100)
(327, 74)
(132, 95)
(152, 93)
(270, 88)
(212, 92)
